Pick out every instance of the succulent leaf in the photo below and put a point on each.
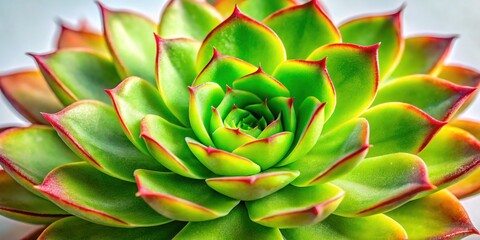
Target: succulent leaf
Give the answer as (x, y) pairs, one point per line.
(20, 204)
(29, 94)
(386, 29)
(192, 19)
(24, 156)
(468, 186)
(78, 74)
(262, 85)
(82, 37)
(310, 205)
(91, 129)
(335, 227)
(295, 24)
(284, 106)
(442, 216)
(335, 154)
(354, 72)
(423, 55)
(249, 40)
(392, 180)
(131, 42)
(259, 10)
(75, 228)
(437, 97)
(160, 191)
(410, 129)
(175, 68)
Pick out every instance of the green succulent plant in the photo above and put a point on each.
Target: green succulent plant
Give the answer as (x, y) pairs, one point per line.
(242, 120)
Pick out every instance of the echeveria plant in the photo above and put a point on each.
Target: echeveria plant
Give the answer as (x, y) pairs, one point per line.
(242, 120)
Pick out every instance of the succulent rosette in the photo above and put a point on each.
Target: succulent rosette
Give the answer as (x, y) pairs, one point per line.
(242, 120)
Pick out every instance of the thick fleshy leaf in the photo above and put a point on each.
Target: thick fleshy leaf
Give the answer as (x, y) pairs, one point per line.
(223, 70)
(452, 154)
(310, 205)
(166, 143)
(131, 42)
(296, 24)
(29, 154)
(423, 55)
(382, 183)
(354, 73)
(175, 68)
(273, 128)
(345, 228)
(78, 74)
(85, 192)
(262, 85)
(91, 129)
(261, 9)
(473, 127)
(22, 205)
(442, 216)
(462, 76)
(253, 187)
(284, 106)
(307, 78)
(273, 149)
(81, 37)
(409, 128)
(236, 99)
(29, 94)
(335, 154)
(468, 186)
(161, 192)
(229, 139)
(235, 225)
(437, 97)
(192, 19)
(74, 228)
(385, 29)
(202, 99)
(222, 162)
(133, 99)
(245, 38)
(311, 117)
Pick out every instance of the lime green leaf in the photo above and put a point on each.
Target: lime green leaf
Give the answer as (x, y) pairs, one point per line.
(22, 205)
(29, 154)
(409, 128)
(284, 106)
(78, 74)
(423, 55)
(166, 142)
(273, 128)
(91, 129)
(462, 76)
(354, 72)
(382, 183)
(175, 72)
(229, 139)
(253, 187)
(468, 186)
(442, 215)
(161, 192)
(202, 98)
(77, 229)
(110, 202)
(188, 19)
(223, 70)
(335, 154)
(311, 116)
(235, 225)
(29, 94)
(273, 149)
(303, 28)
(386, 29)
(236, 99)
(437, 97)
(262, 85)
(261, 9)
(245, 38)
(345, 228)
(130, 40)
(133, 99)
(310, 205)
(307, 78)
(222, 162)
(82, 37)
(451, 155)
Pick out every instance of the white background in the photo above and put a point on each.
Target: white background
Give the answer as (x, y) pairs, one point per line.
(30, 26)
